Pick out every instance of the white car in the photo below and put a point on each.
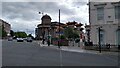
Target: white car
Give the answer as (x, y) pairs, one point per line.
(29, 39)
(19, 39)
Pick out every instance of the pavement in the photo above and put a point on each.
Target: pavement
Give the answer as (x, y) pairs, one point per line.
(77, 49)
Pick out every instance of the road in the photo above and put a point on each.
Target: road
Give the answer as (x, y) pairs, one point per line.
(31, 54)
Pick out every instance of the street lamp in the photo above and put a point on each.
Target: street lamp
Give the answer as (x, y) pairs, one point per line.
(73, 34)
(59, 31)
(99, 43)
(41, 13)
(49, 36)
(43, 31)
(43, 34)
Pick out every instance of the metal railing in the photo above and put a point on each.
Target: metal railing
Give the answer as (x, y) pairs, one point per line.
(104, 47)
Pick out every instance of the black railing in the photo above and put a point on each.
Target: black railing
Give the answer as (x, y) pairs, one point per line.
(104, 47)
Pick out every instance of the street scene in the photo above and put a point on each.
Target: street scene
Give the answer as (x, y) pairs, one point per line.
(65, 33)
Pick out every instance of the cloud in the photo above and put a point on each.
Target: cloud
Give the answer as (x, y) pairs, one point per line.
(44, 0)
(13, 10)
(0, 10)
(28, 10)
(79, 4)
(24, 15)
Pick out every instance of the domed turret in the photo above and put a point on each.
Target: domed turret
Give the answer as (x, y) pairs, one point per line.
(46, 20)
(46, 17)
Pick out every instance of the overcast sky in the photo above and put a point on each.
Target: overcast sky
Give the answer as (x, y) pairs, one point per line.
(24, 16)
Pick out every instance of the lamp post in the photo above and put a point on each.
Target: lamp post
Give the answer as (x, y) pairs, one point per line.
(43, 31)
(73, 34)
(59, 31)
(43, 34)
(99, 43)
(49, 36)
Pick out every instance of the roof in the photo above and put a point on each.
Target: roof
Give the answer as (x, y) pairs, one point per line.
(2, 21)
(57, 23)
(78, 25)
(46, 17)
(39, 25)
(71, 23)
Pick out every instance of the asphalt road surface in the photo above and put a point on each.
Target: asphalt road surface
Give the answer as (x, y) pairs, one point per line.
(31, 54)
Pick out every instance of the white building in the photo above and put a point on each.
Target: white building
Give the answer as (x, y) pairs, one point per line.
(107, 16)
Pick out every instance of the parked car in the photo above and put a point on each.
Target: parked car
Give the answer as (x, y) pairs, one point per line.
(25, 39)
(29, 39)
(19, 39)
(10, 39)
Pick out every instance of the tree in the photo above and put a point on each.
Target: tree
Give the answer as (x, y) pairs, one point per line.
(20, 34)
(68, 32)
(0, 31)
(62, 37)
(3, 33)
(75, 35)
(30, 35)
(11, 33)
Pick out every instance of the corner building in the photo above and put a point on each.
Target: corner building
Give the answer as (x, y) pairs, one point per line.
(105, 15)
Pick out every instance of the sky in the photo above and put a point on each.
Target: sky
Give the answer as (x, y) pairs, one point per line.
(23, 15)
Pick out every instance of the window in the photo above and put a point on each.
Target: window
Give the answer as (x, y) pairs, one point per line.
(117, 12)
(102, 36)
(100, 13)
(118, 37)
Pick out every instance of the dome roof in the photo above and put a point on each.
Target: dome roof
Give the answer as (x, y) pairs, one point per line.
(46, 17)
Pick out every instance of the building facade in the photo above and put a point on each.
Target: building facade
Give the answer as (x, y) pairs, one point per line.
(105, 16)
(48, 28)
(54, 29)
(7, 26)
(43, 29)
